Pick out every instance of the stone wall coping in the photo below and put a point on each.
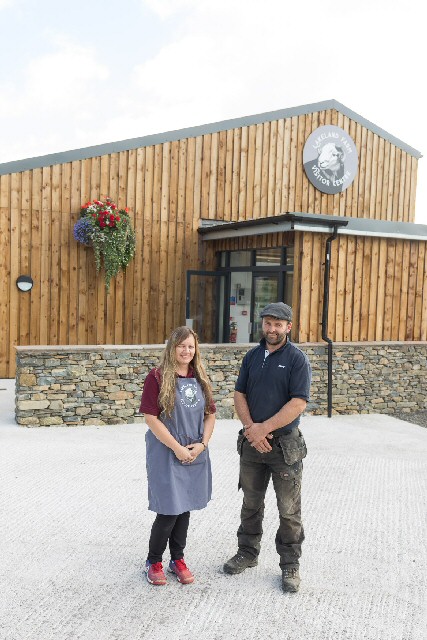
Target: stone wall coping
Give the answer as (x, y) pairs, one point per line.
(85, 347)
(228, 345)
(66, 348)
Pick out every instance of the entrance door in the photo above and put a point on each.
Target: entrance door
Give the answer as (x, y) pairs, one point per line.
(224, 306)
(266, 289)
(206, 310)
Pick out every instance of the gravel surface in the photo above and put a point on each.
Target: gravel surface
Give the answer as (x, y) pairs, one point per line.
(75, 525)
(415, 417)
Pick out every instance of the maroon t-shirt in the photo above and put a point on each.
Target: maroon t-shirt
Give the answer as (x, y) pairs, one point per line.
(150, 393)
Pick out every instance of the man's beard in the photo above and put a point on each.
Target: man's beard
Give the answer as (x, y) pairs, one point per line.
(276, 339)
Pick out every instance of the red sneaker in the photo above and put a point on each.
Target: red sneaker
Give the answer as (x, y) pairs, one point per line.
(181, 571)
(155, 573)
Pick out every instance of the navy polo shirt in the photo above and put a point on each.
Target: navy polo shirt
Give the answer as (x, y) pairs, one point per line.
(270, 382)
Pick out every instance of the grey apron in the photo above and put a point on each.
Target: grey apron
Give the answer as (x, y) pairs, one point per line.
(173, 487)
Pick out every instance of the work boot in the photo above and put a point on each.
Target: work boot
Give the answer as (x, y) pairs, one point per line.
(290, 579)
(239, 563)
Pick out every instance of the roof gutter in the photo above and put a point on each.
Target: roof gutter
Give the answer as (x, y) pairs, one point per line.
(359, 232)
(239, 230)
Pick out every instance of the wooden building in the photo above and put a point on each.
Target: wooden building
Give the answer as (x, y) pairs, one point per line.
(226, 219)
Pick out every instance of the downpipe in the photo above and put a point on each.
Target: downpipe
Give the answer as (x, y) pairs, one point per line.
(325, 311)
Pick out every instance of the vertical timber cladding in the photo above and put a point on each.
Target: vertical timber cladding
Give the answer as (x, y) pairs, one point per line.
(242, 173)
(377, 289)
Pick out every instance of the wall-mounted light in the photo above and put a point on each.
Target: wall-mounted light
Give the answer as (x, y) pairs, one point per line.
(24, 283)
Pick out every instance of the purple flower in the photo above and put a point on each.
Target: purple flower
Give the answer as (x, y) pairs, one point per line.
(83, 231)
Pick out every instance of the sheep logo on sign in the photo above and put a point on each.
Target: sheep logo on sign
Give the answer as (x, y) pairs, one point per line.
(330, 159)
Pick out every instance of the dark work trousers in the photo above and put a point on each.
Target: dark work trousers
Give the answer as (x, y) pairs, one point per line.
(168, 528)
(284, 465)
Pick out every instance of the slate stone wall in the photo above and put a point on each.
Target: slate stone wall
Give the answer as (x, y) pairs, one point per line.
(102, 384)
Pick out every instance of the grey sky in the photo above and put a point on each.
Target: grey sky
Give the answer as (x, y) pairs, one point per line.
(90, 72)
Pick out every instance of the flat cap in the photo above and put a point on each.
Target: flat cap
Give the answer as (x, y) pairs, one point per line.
(278, 310)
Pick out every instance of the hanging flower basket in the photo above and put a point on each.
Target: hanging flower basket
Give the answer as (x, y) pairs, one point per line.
(109, 231)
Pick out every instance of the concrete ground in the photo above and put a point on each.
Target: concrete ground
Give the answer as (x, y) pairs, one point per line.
(74, 528)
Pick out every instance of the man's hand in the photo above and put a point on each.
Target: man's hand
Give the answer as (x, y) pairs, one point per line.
(257, 437)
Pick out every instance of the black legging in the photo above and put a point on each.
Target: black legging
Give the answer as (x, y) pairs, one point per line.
(172, 528)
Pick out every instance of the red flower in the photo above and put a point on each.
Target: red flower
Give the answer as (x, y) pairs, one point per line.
(118, 218)
(127, 210)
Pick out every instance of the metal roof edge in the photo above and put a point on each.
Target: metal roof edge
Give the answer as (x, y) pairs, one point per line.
(378, 130)
(17, 166)
(369, 224)
(314, 222)
(387, 226)
(208, 225)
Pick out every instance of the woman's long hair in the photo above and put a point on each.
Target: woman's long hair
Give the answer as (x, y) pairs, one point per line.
(168, 371)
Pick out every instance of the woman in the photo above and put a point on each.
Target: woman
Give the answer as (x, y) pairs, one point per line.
(180, 413)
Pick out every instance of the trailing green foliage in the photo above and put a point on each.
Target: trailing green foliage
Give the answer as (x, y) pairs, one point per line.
(109, 231)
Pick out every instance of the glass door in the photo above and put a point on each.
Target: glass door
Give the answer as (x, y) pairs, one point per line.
(240, 306)
(266, 289)
(206, 309)
(224, 305)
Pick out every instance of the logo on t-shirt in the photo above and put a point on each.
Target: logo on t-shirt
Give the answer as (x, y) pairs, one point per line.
(189, 395)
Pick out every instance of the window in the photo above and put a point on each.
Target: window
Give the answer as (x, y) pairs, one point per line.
(268, 257)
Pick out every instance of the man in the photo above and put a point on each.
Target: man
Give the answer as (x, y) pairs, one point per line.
(271, 392)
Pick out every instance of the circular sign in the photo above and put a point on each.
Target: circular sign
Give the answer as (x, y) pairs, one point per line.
(330, 159)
